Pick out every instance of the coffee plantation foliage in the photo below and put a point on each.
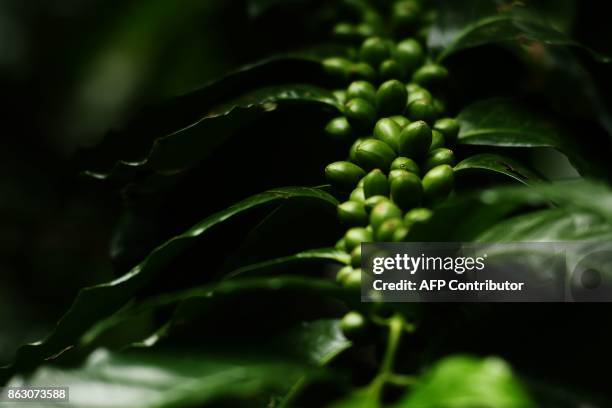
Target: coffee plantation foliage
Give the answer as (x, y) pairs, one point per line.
(416, 121)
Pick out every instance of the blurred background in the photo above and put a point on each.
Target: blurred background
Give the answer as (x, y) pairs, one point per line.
(72, 70)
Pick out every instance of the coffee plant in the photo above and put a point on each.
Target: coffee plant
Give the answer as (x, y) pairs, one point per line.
(430, 121)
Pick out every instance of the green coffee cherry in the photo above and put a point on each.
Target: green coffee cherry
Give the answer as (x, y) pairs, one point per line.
(390, 69)
(383, 211)
(362, 89)
(386, 230)
(345, 32)
(344, 175)
(438, 182)
(422, 109)
(400, 234)
(341, 245)
(374, 50)
(356, 257)
(409, 54)
(415, 140)
(353, 325)
(391, 98)
(402, 121)
(404, 163)
(406, 190)
(357, 195)
(352, 213)
(405, 15)
(439, 156)
(356, 236)
(437, 140)
(417, 216)
(387, 130)
(365, 30)
(373, 201)
(360, 114)
(339, 68)
(364, 71)
(430, 74)
(338, 128)
(449, 128)
(418, 93)
(353, 280)
(375, 183)
(343, 273)
(374, 154)
(353, 149)
(340, 95)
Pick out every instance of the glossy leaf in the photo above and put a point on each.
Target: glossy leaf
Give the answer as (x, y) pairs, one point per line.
(185, 147)
(504, 123)
(498, 164)
(163, 379)
(480, 22)
(97, 302)
(467, 382)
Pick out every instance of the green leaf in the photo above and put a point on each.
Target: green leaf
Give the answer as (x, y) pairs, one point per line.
(323, 255)
(468, 382)
(548, 225)
(96, 302)
(511, 27)
(480, 22)
(504, 123)
(498, 164)
(184, 148)
(169, 379)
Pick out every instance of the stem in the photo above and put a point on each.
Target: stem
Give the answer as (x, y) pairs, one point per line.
(396, 326)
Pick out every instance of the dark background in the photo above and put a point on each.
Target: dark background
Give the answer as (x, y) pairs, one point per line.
(71, 70)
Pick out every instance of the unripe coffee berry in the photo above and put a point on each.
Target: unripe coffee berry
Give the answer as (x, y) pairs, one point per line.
(438, 182)
(390, 69)
(374, 154)
(353, 324)
(384, 233)
(439, 156)
(415, 140)
(344, 175)
(373, 201)
(353, 280)
(343, 273)
(387, 130)
(391, 98)
(355, 236)
(383, 211)
(422, 109)
(404, 163)
(375, 183)
(360, 114)
(339, 68)
(375, 50)
(437, 140)
(417, 216)
(362, 89)
(430, 75)
(406, 190)
(363, 71)
(357, 195)
(338, 128)
(402, 121)
(409, 54)
(352, 213)
(449, 128)
(356, 257)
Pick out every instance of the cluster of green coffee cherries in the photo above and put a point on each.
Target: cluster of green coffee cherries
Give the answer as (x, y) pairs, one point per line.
(399, 164)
